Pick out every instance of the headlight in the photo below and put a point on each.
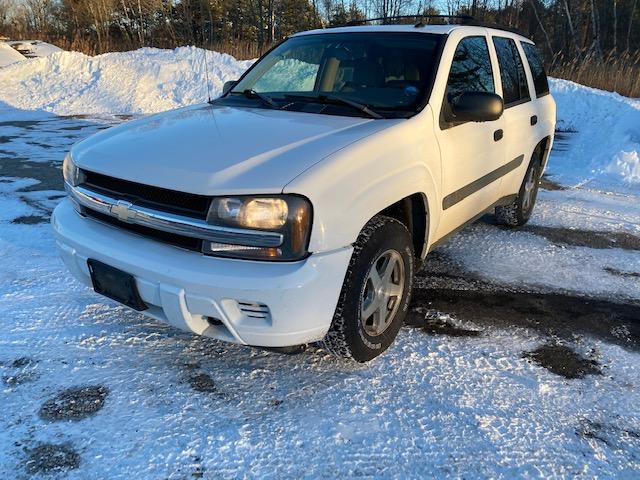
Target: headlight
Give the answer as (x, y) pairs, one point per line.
(261, 213)
(287, 215)
(71, 172)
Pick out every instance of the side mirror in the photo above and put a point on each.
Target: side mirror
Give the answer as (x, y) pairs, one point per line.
(476, 107)
(228, 86)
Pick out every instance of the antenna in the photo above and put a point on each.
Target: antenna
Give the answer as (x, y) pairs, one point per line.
(206, 74)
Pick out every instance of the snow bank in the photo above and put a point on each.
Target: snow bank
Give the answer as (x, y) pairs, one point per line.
(34, 48)
(604, 133)
(8, 55)
(142, 81)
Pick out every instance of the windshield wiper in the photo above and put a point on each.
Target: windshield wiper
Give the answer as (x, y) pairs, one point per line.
(249, 93)
(351, 103)
(326, 99)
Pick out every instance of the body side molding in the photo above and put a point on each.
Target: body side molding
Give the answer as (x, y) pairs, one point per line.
(462, 193)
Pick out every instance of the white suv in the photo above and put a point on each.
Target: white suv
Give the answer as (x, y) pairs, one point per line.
(298, 206)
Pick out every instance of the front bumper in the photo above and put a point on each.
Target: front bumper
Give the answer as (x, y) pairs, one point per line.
(254, 303)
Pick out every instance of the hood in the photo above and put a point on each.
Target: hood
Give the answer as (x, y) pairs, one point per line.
(213, 150)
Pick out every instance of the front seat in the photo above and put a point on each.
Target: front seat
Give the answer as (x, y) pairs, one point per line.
(366, 74)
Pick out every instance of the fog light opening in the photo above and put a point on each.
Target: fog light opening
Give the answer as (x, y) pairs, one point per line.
(214, 321)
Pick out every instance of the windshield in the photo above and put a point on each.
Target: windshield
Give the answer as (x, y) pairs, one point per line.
(388, 73)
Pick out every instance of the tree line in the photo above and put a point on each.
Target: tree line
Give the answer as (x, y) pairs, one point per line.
(568, 32)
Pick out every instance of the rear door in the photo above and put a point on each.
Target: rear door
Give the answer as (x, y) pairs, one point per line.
(471, 152)
(519, 114)
(543, 105)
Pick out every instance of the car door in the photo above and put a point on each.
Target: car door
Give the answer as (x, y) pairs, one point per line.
(519, 114)
(544, 109)
(471, 152)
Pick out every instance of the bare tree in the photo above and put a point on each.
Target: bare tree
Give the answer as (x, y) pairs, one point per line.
(595, 48)
(572, 31)
(633, 11)
(541, 25)
(615, 26)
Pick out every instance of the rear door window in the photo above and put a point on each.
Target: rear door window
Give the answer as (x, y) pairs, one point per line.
(514, 80)
(537, 69)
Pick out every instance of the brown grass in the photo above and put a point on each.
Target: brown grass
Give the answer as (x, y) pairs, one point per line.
(615, 72)
(241, 50)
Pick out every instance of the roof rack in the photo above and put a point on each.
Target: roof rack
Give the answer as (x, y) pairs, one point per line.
(496, 26)
(419, 21)
(462, 19)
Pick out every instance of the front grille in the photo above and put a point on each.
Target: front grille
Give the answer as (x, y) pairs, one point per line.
(181, 241)
(162, 199)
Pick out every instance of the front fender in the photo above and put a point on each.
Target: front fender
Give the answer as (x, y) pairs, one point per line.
(352, 185)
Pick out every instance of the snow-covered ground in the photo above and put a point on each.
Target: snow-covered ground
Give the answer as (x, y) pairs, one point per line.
(465, 392)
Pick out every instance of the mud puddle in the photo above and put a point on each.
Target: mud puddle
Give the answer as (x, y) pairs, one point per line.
(49, 174)
(445, 289)
(50, 457)
(564, 361)
(74, 403)
(201, 382)
(585, 238)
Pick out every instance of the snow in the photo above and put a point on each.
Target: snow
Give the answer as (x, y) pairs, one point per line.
(585, 209)
(432, 406)
(605, 133)
(142, 81)
(34, 48)
(8, 55)
(626, 165)
(513, 258)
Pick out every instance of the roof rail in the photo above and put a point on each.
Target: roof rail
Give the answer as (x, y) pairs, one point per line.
(418, 19)
(420, 22)
(496, 26)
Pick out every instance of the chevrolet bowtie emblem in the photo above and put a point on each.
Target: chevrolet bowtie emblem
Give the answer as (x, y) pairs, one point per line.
(123, 211)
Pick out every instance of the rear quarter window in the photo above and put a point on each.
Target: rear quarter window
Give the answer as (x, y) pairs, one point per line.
(540, 81)
(514, 80)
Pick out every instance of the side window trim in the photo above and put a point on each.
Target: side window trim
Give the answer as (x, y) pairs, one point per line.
(444, 124)
(513, 44)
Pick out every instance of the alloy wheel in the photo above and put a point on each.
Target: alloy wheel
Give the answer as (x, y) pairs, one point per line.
(382, 293)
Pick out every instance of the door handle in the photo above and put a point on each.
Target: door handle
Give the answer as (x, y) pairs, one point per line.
(497, 135)
(534, 120)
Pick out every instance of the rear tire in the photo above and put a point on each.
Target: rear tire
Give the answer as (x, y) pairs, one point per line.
(518, 212)
(376, 291)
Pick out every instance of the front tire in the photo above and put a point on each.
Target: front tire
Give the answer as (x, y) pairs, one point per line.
(518, 212)
(376, 291)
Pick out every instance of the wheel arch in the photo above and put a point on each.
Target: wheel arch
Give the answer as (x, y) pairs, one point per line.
(543, 147)
(413, 212)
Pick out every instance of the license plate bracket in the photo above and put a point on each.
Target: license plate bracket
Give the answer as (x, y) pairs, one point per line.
(115, 284)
